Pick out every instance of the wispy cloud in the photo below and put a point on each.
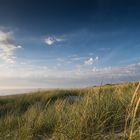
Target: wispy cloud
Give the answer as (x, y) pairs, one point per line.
(7, 47)
(128, 70)
(52, 40)
(43, 76)
(91, 60)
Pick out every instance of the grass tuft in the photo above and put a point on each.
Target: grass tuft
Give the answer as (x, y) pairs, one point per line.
(109, 112)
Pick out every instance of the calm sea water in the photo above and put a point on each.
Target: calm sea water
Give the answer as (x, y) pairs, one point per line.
(4, 92)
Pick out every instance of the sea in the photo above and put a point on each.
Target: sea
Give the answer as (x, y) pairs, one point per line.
(14, 91)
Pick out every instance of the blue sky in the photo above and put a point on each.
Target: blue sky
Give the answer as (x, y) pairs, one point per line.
(51, 43)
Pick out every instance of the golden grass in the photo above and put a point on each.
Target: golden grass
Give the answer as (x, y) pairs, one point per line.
(133, 108)
(109, 112)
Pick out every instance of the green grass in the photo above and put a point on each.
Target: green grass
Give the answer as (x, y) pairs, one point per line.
(95, 113)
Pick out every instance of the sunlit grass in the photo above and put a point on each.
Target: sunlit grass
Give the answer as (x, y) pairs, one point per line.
(98, 113)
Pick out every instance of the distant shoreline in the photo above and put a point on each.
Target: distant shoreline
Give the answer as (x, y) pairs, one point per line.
(15, 91)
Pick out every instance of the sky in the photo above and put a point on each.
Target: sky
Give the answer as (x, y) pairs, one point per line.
(68, 43)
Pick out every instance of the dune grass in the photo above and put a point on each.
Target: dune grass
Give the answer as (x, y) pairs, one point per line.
(110, 112)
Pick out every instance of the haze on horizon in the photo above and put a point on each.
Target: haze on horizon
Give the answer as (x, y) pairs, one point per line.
(68, 43)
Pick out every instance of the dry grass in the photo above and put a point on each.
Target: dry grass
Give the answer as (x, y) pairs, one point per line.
(109, 112)
(132, 111)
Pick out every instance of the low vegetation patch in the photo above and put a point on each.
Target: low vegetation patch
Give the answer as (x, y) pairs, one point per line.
(109, 112)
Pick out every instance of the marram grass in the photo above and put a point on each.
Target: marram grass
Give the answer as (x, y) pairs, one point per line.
(109, 112)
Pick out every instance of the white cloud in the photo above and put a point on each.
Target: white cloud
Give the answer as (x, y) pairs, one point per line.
(91, 60)
(59, 39)
(132, 69)
(49, 41)
(60, 60)
(41, 76)
(7, 47)
(52, 40)
(19, 47)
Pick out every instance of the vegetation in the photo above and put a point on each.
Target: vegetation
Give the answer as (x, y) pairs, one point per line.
(109, 112)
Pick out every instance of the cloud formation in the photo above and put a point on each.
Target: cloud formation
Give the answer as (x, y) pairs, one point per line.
(91, 60)
(42, 76)
(52, 40)
(7, 47)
